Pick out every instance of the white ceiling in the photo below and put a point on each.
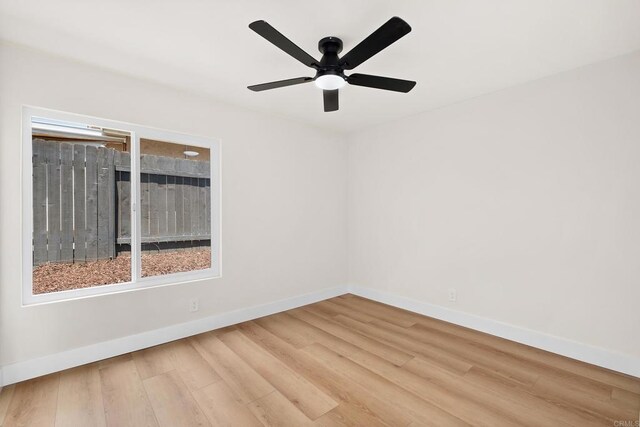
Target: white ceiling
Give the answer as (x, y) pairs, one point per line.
(458, 49)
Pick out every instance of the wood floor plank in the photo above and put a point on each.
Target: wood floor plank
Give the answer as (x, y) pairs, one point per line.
(379, 311)
(223, 408)
(302, 393)
(340, 388)
(530, 364)
(172, 402)
(114, 360)
(497, 384)
(300, 334)
(550, 360)
(291, 332)
(34, 403)
(392, 354)
(275, 410)
(490, 358)
(397, 336)
(445, 359)
(448, 392)
(191, 365)
(125, 399)
(245, 382)
(527, 411)
(418, 408)
(555, 390)
(6, 393)
(153, 361)
(348, 415)
(335, 309)
(623, 396)
(80, 400)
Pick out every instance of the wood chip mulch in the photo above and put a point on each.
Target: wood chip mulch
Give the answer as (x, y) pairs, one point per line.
(65, 276)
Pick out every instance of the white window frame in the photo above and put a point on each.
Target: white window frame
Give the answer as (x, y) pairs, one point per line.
(137, 282)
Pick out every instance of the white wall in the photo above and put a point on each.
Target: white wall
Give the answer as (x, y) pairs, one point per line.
(284, 206)
(527, 201)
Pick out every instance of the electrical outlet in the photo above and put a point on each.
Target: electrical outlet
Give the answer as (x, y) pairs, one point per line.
(453, 295)
(193, 305)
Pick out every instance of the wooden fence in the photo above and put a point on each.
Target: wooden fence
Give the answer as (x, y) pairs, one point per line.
(82, 202)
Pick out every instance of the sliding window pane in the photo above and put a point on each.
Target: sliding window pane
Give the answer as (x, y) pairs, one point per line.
(81, 206)
(175, 202)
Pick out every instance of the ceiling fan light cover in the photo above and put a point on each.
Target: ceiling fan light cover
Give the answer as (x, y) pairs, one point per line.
(330, 82)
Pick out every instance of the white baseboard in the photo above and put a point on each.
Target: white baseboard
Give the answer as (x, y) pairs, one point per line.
(28, 369)
(586, 353)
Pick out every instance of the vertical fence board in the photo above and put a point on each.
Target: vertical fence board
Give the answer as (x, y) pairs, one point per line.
(92, 203)
(144, 202)
(179, 206)
(186, 205)
(53, 202)
(208, 195)
(39, 161)
(103, 204)
(171, 205)
(79, 224)
(154, 201)
(195, 225)
(202, 207)
(124, 204)
(123, 196)
(66, 202)
(111, 211)
(162, 206)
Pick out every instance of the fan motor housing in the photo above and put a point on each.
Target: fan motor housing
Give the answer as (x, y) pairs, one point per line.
(330, 48)
(330, 45)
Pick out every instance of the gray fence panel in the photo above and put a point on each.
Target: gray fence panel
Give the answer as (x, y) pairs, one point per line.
(82, 202)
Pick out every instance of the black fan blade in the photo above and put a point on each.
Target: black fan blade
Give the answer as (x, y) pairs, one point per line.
(280, 83)
(394, 29)
(378, 82)
(274, 36)
(330, 100)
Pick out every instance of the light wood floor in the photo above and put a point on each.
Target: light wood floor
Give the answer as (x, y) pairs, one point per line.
(345, 361)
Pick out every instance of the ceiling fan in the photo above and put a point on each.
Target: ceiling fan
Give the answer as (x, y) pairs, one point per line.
(330, 69)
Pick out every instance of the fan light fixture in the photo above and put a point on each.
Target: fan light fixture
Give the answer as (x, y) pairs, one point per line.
(189, 153)
(330, 82)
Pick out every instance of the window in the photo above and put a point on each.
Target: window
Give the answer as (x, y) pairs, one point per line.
(114, 206)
